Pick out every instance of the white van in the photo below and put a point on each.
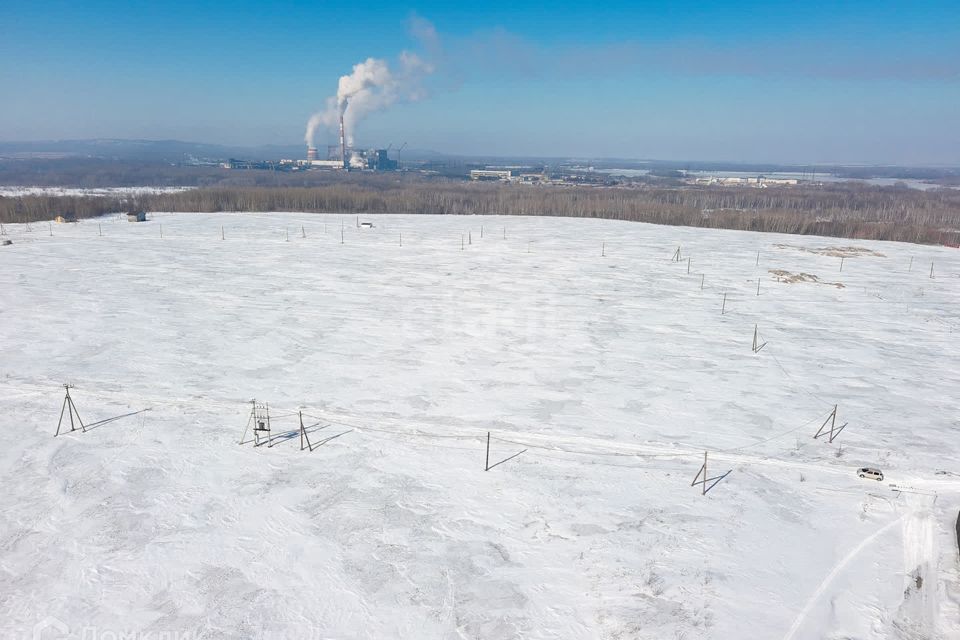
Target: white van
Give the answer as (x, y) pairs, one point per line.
(869, 472)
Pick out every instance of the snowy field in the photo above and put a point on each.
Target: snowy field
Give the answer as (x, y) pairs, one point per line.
(579, 343)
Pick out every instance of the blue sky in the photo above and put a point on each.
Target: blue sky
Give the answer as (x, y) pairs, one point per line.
(767, 81)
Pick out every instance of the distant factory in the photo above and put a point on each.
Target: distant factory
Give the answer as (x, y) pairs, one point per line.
(758, 182)
(344, 157)
(521, 175)
(356, 160)
(351, 160)
(505, 175)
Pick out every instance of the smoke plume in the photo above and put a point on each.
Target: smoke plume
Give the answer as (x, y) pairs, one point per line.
(371, 86)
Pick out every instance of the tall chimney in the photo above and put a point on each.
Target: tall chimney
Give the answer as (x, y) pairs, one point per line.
(343, 144)
(311, 153)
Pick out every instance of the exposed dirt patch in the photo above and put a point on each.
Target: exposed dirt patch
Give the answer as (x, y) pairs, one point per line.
(791, 278)
(836, 252)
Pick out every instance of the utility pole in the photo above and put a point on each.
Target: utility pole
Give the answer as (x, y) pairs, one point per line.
(486, 465)
(71, 410)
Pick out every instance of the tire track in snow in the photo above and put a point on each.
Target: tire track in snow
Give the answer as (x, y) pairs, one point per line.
(833, 574)
(919, 609)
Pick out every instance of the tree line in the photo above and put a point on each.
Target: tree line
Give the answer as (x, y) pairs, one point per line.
(850, 211)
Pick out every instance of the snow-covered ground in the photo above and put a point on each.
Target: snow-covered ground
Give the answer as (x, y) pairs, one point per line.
(612, 373)
(19, 191)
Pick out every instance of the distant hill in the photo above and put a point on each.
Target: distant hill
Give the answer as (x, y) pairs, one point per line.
(174, 151)
(145, 150)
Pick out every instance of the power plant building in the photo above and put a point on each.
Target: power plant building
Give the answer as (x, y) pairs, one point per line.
(326, 164)
(353, 160)
(369, 160)
(494, 174)
(378, 160)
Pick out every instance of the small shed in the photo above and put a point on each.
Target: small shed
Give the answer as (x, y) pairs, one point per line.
(137, 216)
(66, 217)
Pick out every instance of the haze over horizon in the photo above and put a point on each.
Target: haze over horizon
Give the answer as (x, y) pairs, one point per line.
(864, 82)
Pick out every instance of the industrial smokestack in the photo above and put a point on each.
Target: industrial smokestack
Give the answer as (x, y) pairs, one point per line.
(343, 144)
(311, 153)
(371, 86)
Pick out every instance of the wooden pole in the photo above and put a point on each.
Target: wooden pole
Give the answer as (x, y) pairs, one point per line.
(223, 234)
(461, 242)
(470, 237)
(688, 265)
(51, 228)
(161, 232)
(60, 421)
(931, 271)
(703, 470)
(100, 229)
(341, 235)
(758, 258)
(303, 231)
(287, 231)
(83, 427)
(481, 231)
(303, 434)
(758, 286)
(910, 268)
(704, 474)
(504, 233)
(603, 249)
(486, 465)
(723, 308)
(701, 282)
(243, 438)
(401, 238)
(269, 430)
(832, 419)
(71, 409)
(841, 264)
